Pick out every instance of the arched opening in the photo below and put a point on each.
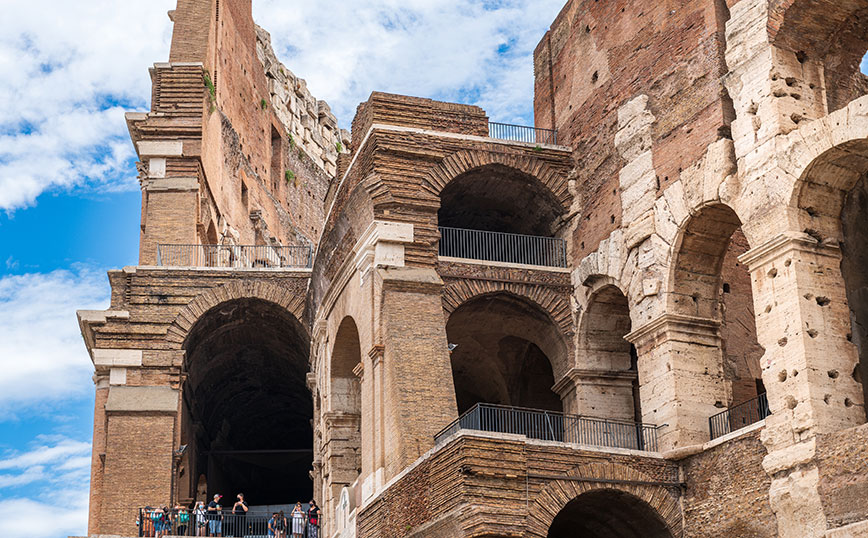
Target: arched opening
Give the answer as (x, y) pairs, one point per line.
(609, 385)
(498, 213)
(710, 283)
(246, 407)
(344, 464)
(833, 204)
(503, 350)
(608, 513)
(828, 38)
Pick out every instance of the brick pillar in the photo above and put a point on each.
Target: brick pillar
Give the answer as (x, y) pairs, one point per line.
(681, 377)
(140, 424)
(419, 396)
(803, 323)
(170, 204)
(97, 467)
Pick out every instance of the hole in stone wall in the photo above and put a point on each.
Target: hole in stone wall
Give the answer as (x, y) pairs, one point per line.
(608, 513)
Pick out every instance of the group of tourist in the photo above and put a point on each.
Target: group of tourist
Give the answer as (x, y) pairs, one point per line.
(215, 520)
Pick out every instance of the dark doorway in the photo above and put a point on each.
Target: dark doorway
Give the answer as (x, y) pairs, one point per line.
(608, 513)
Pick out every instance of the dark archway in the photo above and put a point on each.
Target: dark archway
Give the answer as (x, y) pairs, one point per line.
(497, 198)
(246, 404)
(608, 513)
(504, 347)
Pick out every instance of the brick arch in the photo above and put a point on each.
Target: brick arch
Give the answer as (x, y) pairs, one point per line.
(265, 291)
(558, 493)
(556, 305)
(456, 164)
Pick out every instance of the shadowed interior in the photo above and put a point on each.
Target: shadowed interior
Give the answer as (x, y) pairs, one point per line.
(503, 353)
(248, 408)
(497, 198)
(608, 513)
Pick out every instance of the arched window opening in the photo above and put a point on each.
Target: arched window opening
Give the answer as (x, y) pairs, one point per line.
(246, 404)
(609, 387)
(608, 513)
(498, 213)
(710, 283)
(345, 408)
(503, 348)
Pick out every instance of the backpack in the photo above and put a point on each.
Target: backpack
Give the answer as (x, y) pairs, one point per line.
(183, 517)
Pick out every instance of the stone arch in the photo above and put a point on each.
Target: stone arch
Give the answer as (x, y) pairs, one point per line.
(831, 35)
(293, 301)
(831, 201)
(505, 350)
(607, 383)
(708, 283)
(555, 495)
(461, 162)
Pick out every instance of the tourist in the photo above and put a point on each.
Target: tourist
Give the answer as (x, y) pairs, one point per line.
(183, 520)
(281, 525)
(297, 521)
(313, 517)
(215, 516)
(199, 512)
(239, 517)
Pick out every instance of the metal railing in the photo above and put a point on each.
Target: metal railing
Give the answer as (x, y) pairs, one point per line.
(153, 522)
(234, 256)
(503, 247)
(522, 133)
(554, 426)
(739, 416)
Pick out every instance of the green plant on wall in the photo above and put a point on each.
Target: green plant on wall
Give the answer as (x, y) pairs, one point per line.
(212, 90)
(291, 141)
(290, 177)
(263, 104)
(339, 146)
(537, 148)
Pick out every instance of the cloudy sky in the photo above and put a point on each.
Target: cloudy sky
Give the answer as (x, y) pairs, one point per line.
(69, 201)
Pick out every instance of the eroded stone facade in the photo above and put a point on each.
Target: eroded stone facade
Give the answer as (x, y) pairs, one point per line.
(708, 189)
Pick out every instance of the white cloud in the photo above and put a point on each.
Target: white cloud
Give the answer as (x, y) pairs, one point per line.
(42, 356)
(55, 470)
(69, 71)
(475, 51)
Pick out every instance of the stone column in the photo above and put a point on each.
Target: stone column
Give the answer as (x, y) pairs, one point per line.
(598, 393)
(97, 466)
(681, 377)
(809, 366)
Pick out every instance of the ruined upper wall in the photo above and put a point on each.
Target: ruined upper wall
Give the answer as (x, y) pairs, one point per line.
(596, 57)
(258, 150)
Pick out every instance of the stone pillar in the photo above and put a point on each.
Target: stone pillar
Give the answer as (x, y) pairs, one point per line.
(681, 377)
(140, 423)
(419, 396)
(809, 366)
(598, 393)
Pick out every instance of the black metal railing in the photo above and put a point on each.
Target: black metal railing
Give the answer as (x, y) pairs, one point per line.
(739, 416)
(235, 256)
(503, 247)
(522, 133)
(554, 426)
(153, 522)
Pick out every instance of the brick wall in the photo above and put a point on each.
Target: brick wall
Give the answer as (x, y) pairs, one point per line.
(599, 55)
(727, 491)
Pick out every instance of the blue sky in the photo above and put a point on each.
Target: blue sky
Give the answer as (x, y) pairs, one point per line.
(69, 200)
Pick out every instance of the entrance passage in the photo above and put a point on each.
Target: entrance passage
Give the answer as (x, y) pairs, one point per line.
(247, 412)
(608, 513)
(502, 351)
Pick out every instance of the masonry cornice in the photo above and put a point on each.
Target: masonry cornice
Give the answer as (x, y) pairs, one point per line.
(675, 323)
(781, 244)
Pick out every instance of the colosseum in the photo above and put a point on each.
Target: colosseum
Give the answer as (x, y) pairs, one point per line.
(644, 316)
